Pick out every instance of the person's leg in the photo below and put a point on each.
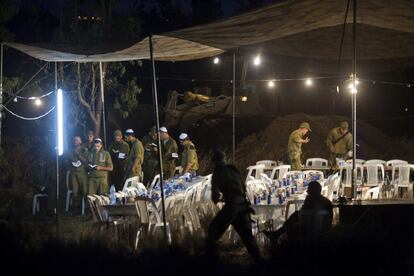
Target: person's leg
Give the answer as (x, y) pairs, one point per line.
(103, 187)
(242, 224)
(217, 227)
(92, 186)
(76, 187)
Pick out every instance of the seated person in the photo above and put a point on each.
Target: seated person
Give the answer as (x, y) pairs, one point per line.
(314, 202)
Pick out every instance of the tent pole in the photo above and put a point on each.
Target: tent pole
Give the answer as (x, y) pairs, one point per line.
(234, 107)
(1, 88)
(157, 122)
(354, 93)
(57, 158)
(103, 101)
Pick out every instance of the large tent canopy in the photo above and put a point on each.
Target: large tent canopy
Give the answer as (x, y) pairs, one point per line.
(306, 32)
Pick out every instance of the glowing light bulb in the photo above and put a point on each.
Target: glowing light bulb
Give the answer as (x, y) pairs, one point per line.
(15, 100)
(38, 102)
(257, 60)
(271, 84)
(216, 60)
(308, 82)
(244, 99)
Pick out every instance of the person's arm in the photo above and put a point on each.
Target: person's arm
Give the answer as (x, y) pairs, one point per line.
(329, 141)
(139, 159)
(215, 191)
(298, 139)
(190, 161)
(349, 144)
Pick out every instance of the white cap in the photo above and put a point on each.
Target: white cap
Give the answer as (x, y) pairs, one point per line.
(183, 136)
(129, 131)
(97, 140)
(163, 129)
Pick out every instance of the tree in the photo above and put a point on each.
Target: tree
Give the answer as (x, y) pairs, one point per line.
(106, 24)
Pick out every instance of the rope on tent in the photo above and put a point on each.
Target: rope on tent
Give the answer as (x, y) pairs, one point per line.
(29, 118)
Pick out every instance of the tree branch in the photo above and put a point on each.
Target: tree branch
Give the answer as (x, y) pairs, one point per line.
(81, 98)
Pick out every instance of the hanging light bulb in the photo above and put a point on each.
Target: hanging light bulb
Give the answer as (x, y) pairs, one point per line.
(38, 102)
(15, 100)
(216, 60)
(308, 82)
(244, 99)
(351, 87)
(257, 60)
(271, 84)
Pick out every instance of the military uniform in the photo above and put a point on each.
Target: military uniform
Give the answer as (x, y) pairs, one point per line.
(119, 153)
(189, 155)
(295, 149)
(137, 151)
(227, 180)
(98, 180)
(150, 158)
(76, 162)
(169, 147)
(342, 147)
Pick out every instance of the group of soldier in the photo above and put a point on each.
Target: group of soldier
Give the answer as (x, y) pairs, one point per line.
(338, 142)
(91, 166)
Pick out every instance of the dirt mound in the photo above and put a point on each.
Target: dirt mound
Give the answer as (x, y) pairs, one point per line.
(271, 142)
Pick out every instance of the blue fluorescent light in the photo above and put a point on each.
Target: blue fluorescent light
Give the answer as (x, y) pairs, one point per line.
(60, 121)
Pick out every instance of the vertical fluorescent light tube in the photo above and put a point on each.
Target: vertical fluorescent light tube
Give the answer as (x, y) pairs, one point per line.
(60, 121)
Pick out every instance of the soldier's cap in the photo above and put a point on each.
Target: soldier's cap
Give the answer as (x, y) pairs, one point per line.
(129, 132)
(344, 125)
(90, 132)
(163, 129)
(305, 125)
(117, 133)
(97, 141)
(183, 136)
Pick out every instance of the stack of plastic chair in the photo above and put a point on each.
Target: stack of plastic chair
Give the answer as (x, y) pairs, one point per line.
(36, 204)
(345, 174)
(316, 162)
(395, 162)
(375, 161)
(152, 221)
(279, 171)
(401, 178)
(375, 175)
(372, 193)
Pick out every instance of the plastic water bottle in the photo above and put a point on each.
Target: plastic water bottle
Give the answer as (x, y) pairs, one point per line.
(335, 196)
(112, 196)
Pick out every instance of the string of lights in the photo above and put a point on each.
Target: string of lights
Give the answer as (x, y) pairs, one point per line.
(29, 118)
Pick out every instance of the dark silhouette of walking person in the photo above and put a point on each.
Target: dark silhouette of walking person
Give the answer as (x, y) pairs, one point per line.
(228, 186)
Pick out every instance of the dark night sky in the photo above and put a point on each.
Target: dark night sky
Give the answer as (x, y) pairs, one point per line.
(371, 104)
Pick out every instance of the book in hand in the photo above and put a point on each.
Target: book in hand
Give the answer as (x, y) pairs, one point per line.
(92, 166)
(77, 164)
(174, 155)
(115, 151)
(154, 145)
(121, 155)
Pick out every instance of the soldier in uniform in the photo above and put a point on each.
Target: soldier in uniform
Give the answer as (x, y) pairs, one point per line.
(135, 157)
(339, 143)
(119, 150)
(227, 185)
(99, 164)
(150, 143)
(189, 159)
(90, 137)
(169, 153)
(295, 145)
(76, 164)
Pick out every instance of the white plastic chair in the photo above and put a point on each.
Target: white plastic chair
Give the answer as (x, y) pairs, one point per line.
(394, 162)
(178, 170)
(372, 193)
(374, 174)
(36, 205)
(345, 174)
(279, 171)
(376, 161)
(320, 173)
(316, 162)
(131, 182)
(255, 171)
(154, 182)
(401, 178)
(267, 163)
(288, 174)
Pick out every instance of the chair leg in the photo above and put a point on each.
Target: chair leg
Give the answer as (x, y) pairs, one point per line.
(34, 205)
(137, 238)
(83, 205)
(67, 201)
(169, 234)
